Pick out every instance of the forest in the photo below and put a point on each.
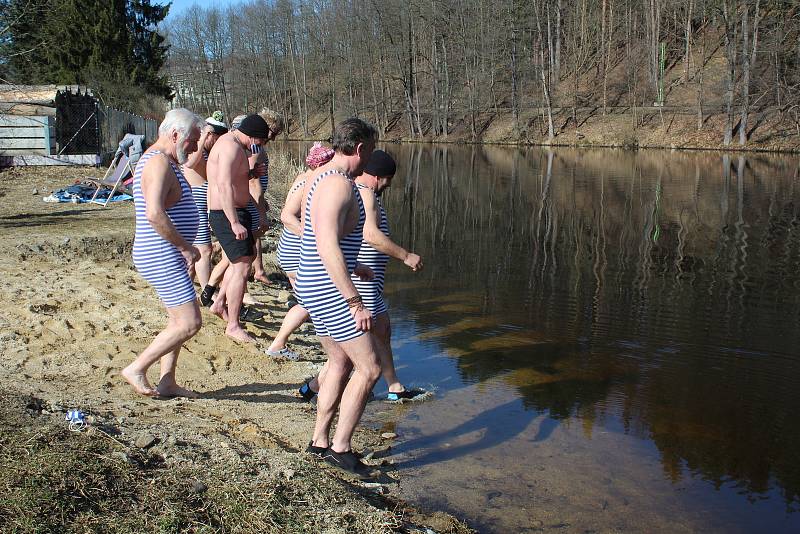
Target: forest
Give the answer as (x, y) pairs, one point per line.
(447, 69)
(719, 72)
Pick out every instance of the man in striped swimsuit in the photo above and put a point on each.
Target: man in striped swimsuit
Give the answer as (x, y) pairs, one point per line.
(195, 172)
(375, 251)
(166, 225)
(333, 219)
(228, 197)
(259, 162)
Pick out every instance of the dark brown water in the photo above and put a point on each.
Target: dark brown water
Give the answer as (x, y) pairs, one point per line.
(612, 337)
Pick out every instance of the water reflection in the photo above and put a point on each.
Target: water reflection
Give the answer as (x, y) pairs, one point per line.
(645, 297)
(659, 289)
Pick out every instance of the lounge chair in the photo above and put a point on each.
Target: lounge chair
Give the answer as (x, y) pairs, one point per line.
(121, 168)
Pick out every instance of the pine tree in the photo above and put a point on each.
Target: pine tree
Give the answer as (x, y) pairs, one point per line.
(112, 46)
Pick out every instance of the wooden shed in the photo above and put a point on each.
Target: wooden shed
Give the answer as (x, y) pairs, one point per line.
(62, 125)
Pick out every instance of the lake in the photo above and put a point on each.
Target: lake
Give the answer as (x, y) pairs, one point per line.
(612, 338)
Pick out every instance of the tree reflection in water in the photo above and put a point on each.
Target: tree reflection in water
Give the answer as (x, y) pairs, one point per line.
(660, 289)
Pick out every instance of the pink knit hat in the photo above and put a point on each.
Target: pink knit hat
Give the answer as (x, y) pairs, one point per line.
(319, 155)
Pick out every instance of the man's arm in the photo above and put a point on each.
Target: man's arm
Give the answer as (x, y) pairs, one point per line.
(197, 156)
(257, 196)
(156, 178)
(377, 239)
(291, 208)
(224, 180)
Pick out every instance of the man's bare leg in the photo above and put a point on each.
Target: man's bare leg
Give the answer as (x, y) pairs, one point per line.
(382, 330)
(258, 266)
(234, 284)
(184, 322)
(293, 319)
(337, 369)
(167, 387)
(361, 353)
(220, 307)
(203, 266)
(218, 272)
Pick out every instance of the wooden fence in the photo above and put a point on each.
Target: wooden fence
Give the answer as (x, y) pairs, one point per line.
(21, 135)
(114, 124)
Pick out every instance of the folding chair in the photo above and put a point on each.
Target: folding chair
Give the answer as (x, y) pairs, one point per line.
(124, 162)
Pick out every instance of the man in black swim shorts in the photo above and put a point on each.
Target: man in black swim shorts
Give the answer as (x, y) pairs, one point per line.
(228, 197)
(234, 248)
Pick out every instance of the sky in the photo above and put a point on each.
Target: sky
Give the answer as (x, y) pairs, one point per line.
(179, 6)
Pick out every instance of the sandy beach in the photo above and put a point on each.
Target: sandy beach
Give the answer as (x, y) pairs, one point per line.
(77, 312)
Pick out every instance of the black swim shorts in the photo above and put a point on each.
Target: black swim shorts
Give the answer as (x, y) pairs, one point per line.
(234, 248)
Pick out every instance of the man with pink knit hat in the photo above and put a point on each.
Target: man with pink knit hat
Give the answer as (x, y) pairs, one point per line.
(289, 248)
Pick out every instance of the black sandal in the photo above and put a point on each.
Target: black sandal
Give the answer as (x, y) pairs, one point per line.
(306, 392)
(250, 315)
(350, 463)
(405, 394)
(316, 451)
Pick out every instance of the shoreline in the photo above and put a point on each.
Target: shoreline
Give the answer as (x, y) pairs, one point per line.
(514, 144)
(81, 314)
(773, 133)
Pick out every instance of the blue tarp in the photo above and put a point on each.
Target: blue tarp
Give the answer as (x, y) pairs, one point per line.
(84, 193)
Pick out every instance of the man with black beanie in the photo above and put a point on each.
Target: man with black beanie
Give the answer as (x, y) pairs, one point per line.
(228, 197)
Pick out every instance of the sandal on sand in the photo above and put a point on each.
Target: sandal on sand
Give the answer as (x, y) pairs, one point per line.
(250, 315)
(306, 392)
(285, 352)
(350, 463)
(406, 394)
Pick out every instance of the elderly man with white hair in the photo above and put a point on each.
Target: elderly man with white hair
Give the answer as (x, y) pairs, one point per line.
(166, 225)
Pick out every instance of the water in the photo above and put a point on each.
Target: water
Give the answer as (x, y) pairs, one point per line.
(612, 337)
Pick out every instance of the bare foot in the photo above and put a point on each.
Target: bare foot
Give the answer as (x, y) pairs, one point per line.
(174, 390)
(261, 277)
(240, 334)
(138, 382)
(220, 310)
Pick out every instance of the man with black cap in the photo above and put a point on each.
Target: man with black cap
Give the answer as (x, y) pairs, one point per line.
(228, 197)
(376, 248)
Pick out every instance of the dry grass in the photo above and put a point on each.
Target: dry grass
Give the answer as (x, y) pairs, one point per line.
(282, 172)
(55, 480)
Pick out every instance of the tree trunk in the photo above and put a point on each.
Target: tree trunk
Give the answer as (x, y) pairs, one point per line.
(728, 14)
(748, 59)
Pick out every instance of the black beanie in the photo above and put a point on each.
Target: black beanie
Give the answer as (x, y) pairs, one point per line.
(254, 126)
(380, 164)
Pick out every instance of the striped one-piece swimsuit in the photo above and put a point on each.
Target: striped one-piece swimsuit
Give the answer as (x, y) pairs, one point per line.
(157, 260)
(327, 307)
(264, 181)
(200, 194)
(371, 291)
(289, 244)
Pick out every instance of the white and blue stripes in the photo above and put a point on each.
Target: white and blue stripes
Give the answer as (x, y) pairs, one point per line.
(264, 178)
(372, 291)
(255, 217)
(264, 181)
(157, 260)
(327, 307)
(289, 243)
(200, 195)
